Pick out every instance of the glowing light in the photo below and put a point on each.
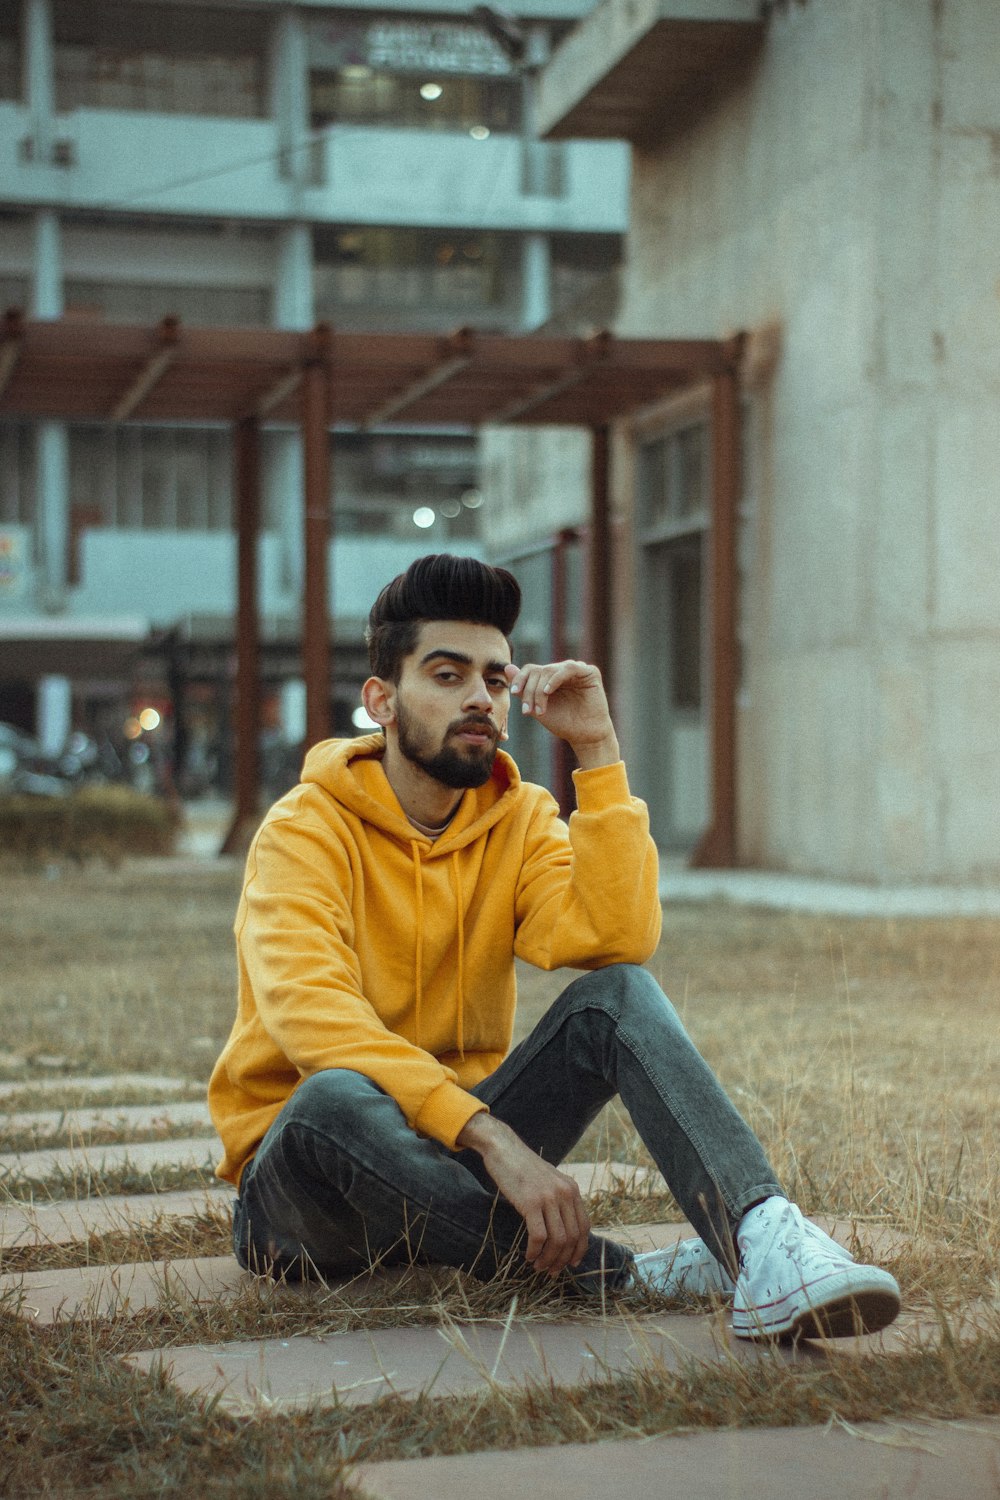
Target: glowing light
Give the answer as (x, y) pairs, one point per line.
(423, 517)
(132, 729)
(480, 133)
(431, 91)
(450, 508)
(361, 719)
(149, 718)
(472, 499)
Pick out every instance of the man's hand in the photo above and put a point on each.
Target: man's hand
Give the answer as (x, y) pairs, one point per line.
(568, 697)
(548, 1200)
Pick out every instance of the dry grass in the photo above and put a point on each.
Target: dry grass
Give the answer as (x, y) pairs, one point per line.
(865, 1053)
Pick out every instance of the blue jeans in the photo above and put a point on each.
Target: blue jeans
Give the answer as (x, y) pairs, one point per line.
(340, 1180)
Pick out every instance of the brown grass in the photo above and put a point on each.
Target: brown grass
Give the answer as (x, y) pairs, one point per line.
(865, 1053)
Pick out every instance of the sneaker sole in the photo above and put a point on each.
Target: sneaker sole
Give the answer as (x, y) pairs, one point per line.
(840, 1314)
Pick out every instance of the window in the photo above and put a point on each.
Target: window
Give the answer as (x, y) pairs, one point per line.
(241, 307)
(152, 478)
(169, 60)
(414, 277)
(673, 481)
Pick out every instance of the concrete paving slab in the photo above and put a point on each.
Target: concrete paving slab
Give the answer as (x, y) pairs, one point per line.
(785, 892)
(37, 1166)
(107, 1117)
(921, 1461)
(463, 1359)
(100, 1083)
(117, 1291)
(62, 1222)
(608, 1176)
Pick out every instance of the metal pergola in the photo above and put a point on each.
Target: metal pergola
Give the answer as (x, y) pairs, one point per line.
(73, 370)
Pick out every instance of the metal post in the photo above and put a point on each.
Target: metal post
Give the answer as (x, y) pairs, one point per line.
(246, 813)
(717, 849)
(562, 756)
(316, 618)
(599, 555)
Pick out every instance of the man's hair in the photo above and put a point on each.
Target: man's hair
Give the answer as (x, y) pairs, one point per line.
(437, 587)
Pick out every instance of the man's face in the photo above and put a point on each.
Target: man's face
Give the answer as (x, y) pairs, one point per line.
(452, 701)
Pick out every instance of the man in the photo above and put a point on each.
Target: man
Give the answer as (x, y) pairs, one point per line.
(367, 1100)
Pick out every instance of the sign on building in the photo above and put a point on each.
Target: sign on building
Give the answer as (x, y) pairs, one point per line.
(390, 46)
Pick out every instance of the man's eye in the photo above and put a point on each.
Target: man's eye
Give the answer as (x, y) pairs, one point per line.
(446, 676)
(498, 684)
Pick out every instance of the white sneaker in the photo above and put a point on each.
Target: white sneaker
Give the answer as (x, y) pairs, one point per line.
(686, 1269)
(795, 1281)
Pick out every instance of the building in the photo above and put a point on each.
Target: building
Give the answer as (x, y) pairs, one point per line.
(820, 177)
(251, 163)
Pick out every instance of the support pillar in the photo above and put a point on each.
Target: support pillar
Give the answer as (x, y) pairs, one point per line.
(562, 755)
(536, 280)
(246, 813)
(316, 606)
(599, 555)
(38, 74)
(717, 848)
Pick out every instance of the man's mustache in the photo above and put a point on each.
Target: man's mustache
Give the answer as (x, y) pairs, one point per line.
(475, 722)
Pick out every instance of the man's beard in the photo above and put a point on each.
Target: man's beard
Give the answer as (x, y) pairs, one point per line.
(449, 765)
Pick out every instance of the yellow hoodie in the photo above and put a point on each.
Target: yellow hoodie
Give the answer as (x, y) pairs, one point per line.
(363, 944)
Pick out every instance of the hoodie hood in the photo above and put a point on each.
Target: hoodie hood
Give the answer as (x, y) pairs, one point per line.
(351, 772)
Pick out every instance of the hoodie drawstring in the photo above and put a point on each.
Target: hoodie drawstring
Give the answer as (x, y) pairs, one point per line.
(460, 925)
(418, 957)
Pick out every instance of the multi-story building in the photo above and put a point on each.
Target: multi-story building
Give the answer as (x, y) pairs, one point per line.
(254, 163)
(822, 177)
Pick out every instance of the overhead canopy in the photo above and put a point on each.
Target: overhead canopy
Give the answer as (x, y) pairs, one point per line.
(70, 645)
(637, 71)
(73, 370)
(92, 371)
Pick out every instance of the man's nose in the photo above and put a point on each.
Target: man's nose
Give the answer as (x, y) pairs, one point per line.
(478, 695)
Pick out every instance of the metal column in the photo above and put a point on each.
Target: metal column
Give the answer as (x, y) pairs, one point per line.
(315, 616)
(246, 813)
(599, 556)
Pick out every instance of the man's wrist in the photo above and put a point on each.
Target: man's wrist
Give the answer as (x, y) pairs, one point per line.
(595, 753)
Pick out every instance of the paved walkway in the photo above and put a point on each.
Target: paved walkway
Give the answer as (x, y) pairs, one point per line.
(941, 1462)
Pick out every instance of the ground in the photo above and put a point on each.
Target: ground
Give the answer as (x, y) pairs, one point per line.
(865, 1053)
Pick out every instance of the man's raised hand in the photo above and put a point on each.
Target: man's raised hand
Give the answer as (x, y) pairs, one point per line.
(568, 697)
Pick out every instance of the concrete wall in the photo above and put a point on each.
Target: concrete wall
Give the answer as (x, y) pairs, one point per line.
(851, 193)
(844, 203)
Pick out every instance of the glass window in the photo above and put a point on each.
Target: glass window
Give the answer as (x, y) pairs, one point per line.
(167, 478)
(10, 65)
(240, 307)
(414, 276)
(360, 95)
(672, 478)
(169, 60)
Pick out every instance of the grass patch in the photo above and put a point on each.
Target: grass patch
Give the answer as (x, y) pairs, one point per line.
(85, 1182)
(99, 822)
(864, 1052)
(72, 1418)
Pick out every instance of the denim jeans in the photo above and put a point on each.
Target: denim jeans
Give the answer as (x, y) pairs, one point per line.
(340, 1181)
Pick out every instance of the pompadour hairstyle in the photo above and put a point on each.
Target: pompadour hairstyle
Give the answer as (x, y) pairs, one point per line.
(437, 587)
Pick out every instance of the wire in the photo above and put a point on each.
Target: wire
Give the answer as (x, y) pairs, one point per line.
(194, 178)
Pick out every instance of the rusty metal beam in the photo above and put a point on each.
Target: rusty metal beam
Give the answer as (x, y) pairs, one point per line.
(11, 340)
(151, 373)
(316, 646)
(286, 385)
(717, 849)
(599, 555)
(589, 353)
(562, 755)
(460, 346)
(246, 813)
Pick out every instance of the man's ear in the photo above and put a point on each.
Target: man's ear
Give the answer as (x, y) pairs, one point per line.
(378, 697)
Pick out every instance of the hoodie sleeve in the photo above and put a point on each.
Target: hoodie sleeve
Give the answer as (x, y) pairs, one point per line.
(589, 896)
(295, 938)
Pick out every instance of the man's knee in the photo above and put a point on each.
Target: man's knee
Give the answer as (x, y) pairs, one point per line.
(626, 991)
(337, 1100)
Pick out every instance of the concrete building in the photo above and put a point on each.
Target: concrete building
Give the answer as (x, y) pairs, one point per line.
(822, 177)
(254, 163)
